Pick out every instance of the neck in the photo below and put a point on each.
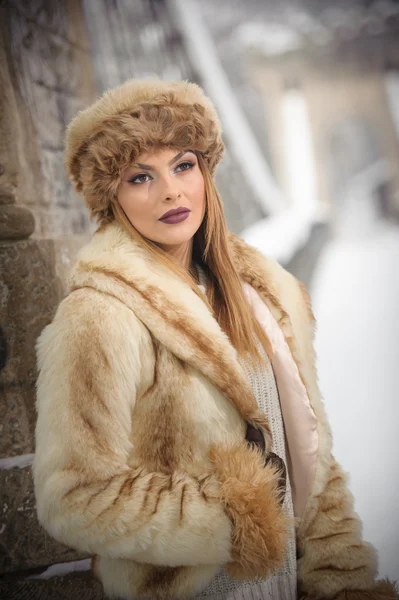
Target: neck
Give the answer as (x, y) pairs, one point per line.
(181, 253)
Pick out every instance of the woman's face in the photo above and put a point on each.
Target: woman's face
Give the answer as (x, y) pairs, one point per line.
(159, 182)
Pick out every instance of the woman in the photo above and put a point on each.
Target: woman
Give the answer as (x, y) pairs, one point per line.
(177, 380)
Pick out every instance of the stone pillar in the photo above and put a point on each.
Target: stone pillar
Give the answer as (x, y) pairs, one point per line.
(30, 291)
(29, 294)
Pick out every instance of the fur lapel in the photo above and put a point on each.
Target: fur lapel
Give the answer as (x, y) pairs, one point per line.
(114, 264)
(289, 303)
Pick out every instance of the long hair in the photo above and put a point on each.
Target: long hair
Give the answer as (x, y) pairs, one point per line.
(225, 295)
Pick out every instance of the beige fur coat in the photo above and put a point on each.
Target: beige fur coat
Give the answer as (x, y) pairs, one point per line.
(141, 456)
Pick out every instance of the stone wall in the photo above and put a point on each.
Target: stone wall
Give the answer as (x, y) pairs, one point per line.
(44, 79)
(51, 69)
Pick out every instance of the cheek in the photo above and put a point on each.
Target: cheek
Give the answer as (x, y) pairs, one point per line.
(135, 203)
(198, 195)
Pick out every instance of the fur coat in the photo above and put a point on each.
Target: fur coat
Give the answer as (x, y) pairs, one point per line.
(141, 456)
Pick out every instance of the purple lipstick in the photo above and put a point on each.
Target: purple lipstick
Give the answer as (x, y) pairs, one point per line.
(176, 215)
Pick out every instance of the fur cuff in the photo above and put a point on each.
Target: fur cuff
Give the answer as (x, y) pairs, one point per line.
(382, 590)
(250, 494)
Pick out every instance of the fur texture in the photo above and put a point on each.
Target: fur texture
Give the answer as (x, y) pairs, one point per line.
(103, 140)
(382, 590)
(142, 400)
(250, 492)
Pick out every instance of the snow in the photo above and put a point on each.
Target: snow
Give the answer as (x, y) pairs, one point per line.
(60, 569)
(355, 294)
(280, 236)
(19, 462)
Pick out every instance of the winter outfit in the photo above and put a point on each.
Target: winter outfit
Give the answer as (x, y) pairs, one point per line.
(144, 407)
(283, 583)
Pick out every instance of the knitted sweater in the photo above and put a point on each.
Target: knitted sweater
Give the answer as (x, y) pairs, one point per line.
(282, 585)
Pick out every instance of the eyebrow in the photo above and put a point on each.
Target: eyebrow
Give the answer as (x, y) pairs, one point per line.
(150, 168)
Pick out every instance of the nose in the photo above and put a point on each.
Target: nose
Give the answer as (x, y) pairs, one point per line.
(170, 189)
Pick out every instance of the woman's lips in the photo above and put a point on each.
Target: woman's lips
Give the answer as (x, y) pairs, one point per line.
(181, 216)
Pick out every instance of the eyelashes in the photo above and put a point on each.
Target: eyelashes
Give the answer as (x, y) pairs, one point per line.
(187, 164)
(136, 178)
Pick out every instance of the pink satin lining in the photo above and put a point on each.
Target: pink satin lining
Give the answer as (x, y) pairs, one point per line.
(300, 421)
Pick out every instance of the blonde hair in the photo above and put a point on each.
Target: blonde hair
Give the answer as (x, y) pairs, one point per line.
(225, 295)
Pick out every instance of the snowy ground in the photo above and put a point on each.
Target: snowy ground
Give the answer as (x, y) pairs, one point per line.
(355, 295)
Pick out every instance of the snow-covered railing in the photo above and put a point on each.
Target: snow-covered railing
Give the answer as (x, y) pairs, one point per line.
(281, 236)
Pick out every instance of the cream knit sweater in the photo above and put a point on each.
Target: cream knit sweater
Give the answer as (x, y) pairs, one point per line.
(282, 585)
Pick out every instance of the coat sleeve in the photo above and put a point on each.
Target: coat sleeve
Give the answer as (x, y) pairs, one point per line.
(333, 559)
(335, 562)
(92, 360)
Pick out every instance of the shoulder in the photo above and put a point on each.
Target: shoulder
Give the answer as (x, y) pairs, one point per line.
(88, 319)
(250, 262)
(92, 309)
(263, 272)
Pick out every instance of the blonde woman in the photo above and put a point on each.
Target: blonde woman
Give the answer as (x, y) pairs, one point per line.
(181, 438)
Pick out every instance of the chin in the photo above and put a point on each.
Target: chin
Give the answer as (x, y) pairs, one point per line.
(174, 240)
(180, 235)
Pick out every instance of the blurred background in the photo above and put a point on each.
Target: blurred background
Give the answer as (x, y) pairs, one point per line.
(308, 95)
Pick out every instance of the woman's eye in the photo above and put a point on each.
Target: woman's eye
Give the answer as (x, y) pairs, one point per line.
(184, 166)
(139, 178)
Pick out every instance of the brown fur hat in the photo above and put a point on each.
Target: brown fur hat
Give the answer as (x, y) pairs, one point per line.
(103, 140)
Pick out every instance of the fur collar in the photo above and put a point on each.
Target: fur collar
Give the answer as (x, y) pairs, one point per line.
(115, 264)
